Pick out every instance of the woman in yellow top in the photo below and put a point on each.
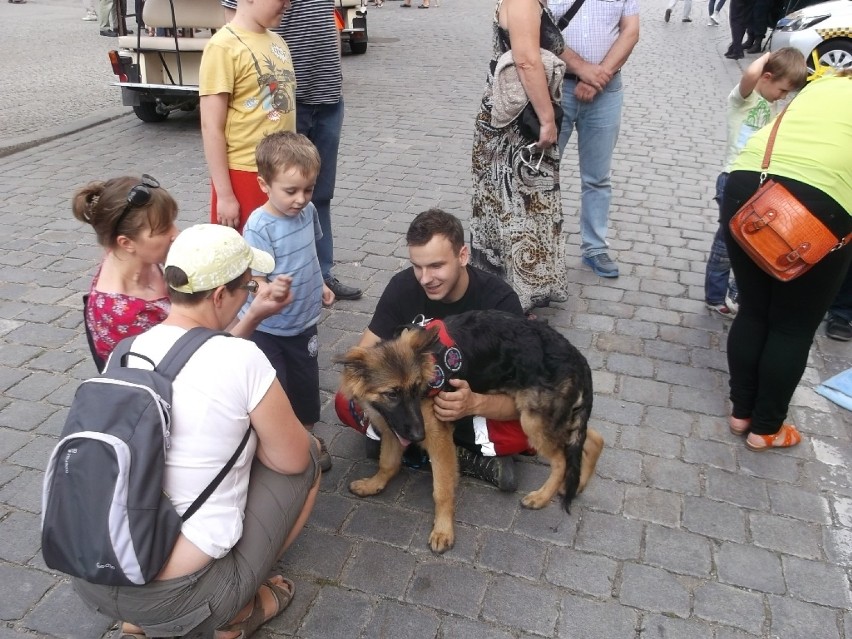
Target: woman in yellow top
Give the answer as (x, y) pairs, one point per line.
(771, 336)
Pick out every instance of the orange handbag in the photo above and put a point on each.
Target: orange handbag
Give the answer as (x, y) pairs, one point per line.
(777, 231)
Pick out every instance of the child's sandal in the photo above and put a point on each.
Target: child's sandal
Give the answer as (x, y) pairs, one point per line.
(786, 437)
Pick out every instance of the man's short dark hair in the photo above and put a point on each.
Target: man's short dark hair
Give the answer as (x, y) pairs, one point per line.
(435, 222)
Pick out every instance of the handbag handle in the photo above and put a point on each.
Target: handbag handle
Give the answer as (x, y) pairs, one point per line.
(767, 155)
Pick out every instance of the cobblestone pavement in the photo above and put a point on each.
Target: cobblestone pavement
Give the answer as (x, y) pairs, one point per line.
(683, 533)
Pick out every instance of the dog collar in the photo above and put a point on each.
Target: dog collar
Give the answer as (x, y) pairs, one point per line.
(447, 358)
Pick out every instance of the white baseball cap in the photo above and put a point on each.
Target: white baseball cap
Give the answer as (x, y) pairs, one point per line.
(212, 255)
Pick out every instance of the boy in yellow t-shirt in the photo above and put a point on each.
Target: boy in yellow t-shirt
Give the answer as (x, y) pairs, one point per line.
(247, 88)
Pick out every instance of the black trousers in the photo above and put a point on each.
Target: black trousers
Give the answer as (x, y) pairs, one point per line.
(740, 18)
(772, 333)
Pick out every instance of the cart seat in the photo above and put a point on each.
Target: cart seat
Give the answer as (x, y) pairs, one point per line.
(189, 14)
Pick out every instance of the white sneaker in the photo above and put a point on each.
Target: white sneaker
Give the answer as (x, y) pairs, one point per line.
(712, 23)
(715, 17)
(90, 16)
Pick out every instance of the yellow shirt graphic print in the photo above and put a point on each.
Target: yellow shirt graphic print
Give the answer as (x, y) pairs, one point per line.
(256, 70)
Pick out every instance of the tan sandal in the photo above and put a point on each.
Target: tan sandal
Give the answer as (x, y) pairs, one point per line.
(283, 594)
(786, 437)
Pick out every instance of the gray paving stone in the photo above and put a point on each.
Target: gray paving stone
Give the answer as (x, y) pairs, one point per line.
(838, 545)
(380, 523)
(610, 535)
(736, 489)
(595, 620)
(673, 475)
(369, 571)
(604, 495)
(730, 606)
(620, 465)
(457, 589)
(671, 421)
(337, 612)
(798, 503)
(678, 551)
(714, 519)
(460, 628)
(483, 505)
(653, 589)
(21, 590)
(21, 544)
(657, 626)
(581, 572)
(36, 386)
(749, 567)
(35, 454)
(62, 614)
(650, 504)
(24, 491)
(512, 554)
(522, 604)
(816, 582)
(652, 442)
(393, 619)
(788, 536)
(793, 619)
(318, 553)
(709, 453)
(22, 415)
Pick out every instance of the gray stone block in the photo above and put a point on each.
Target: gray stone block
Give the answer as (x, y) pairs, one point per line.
(595, 620)
(62, 614)
(793, 619)
(456, 589)
(714, 519)
(657, 626)
(749, 567)
(650, 504)
(24, 491)
(801, 504)
(708, 453)
(522, 604)
(673, 475)
(610, 535)
(379, 569)
(21, 590)
(512, 554)
(785, 535)
(817, 582)
(337, 612)
(653, 589)
(460, 628)
(730, 606)
(394, 619)
(736, 489)
(581, 572)
(24, 415)
(678, 551)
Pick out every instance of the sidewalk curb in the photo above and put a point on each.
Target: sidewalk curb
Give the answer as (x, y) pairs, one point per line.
(13, 145)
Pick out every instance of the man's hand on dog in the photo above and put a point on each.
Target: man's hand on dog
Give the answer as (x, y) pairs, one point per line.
(453, 405)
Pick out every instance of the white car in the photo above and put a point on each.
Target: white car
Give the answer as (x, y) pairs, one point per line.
(822, 32)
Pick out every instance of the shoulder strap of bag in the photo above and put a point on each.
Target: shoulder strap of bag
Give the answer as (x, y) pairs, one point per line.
(568, 15)
(216, 480)
(767, 155)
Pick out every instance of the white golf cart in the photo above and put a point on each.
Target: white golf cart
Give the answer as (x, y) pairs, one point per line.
(159, 74)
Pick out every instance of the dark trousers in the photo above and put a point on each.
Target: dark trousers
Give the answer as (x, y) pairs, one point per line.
(740, 19)
(771, 336)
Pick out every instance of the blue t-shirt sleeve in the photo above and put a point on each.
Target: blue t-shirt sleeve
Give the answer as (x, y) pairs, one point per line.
(255, 237)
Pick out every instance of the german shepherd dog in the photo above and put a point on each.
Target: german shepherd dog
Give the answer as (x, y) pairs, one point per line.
(496, 352)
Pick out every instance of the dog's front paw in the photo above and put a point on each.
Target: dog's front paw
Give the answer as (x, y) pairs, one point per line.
(366, 487)
(535, 500)
(441, 542)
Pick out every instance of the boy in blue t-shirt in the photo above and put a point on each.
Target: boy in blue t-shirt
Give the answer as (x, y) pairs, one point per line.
(287, 227)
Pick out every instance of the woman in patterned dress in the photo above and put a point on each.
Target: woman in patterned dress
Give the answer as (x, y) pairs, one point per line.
(516, 223)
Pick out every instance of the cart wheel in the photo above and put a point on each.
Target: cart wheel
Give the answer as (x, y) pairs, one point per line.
(147, 112)
(358, 47)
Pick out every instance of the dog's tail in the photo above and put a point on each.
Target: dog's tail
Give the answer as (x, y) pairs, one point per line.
(577, 421)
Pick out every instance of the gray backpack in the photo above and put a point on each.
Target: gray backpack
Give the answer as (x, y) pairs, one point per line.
(105, 517)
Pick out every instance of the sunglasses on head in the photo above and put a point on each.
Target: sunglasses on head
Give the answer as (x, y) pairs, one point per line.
(138, 196)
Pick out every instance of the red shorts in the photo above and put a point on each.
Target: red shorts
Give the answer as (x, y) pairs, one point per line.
(247, 191)
(490, 436)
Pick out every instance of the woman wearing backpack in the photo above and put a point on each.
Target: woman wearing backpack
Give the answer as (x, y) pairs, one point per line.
(218, 574)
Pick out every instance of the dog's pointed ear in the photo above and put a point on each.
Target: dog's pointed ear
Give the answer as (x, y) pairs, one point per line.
(421, 340)
(354, 361)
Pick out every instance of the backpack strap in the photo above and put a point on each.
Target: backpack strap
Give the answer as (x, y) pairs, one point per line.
(216, 480)
(183, 349)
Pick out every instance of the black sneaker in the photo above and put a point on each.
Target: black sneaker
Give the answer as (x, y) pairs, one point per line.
(499, 471)
(668, 15)
(838, 328)
(324, 458)
(341, 291)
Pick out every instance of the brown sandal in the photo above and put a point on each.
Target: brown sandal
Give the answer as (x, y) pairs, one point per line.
(283, 594)
(786, 436)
